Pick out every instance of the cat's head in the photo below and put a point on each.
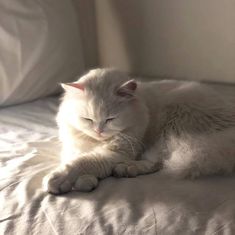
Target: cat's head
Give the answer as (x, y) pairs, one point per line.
(101, 104)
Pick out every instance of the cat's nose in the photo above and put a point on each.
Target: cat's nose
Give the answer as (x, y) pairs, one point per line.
(98, 130)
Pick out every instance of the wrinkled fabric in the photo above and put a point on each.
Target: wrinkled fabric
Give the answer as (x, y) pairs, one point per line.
(40, 46)
(149, 204)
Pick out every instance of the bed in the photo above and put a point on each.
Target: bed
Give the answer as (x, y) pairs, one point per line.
(47, 42)
(148, 204)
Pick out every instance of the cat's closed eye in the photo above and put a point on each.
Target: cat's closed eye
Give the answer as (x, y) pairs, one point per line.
(87, 119)
(109, 119)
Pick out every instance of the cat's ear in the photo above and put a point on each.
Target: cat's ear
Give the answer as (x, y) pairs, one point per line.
(127, 89)
(73, 87)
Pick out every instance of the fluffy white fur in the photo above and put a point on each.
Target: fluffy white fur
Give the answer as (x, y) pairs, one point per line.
(112, 125)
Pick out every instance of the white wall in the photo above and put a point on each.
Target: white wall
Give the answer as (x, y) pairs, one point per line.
(175, 38)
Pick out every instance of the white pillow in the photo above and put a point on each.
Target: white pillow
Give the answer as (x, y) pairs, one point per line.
(39, 47)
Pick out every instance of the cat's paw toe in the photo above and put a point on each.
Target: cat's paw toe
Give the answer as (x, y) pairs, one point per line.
(119, 170)
(57, 182)
(156, 167)
(86, 183)
(131, 171)
(125, 170)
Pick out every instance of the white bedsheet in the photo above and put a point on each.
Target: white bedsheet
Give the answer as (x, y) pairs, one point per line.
(150, 204)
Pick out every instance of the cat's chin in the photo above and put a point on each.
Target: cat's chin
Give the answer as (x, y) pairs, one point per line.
(101, 138)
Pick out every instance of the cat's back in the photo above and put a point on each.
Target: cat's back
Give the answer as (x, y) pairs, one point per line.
(187, 104)
(170, 91)
(166, 92)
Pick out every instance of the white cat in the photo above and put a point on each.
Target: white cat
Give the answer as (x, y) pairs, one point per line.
(112, 125)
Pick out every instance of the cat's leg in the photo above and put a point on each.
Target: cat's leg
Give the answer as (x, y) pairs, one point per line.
(134, 168)
(151, 161)
(81, 174)
(64, 179)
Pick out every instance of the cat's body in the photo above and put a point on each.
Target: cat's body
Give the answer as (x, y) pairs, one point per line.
(110, 125)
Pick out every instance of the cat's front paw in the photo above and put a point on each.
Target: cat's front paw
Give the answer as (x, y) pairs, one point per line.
(125, 170)
(57, 182)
